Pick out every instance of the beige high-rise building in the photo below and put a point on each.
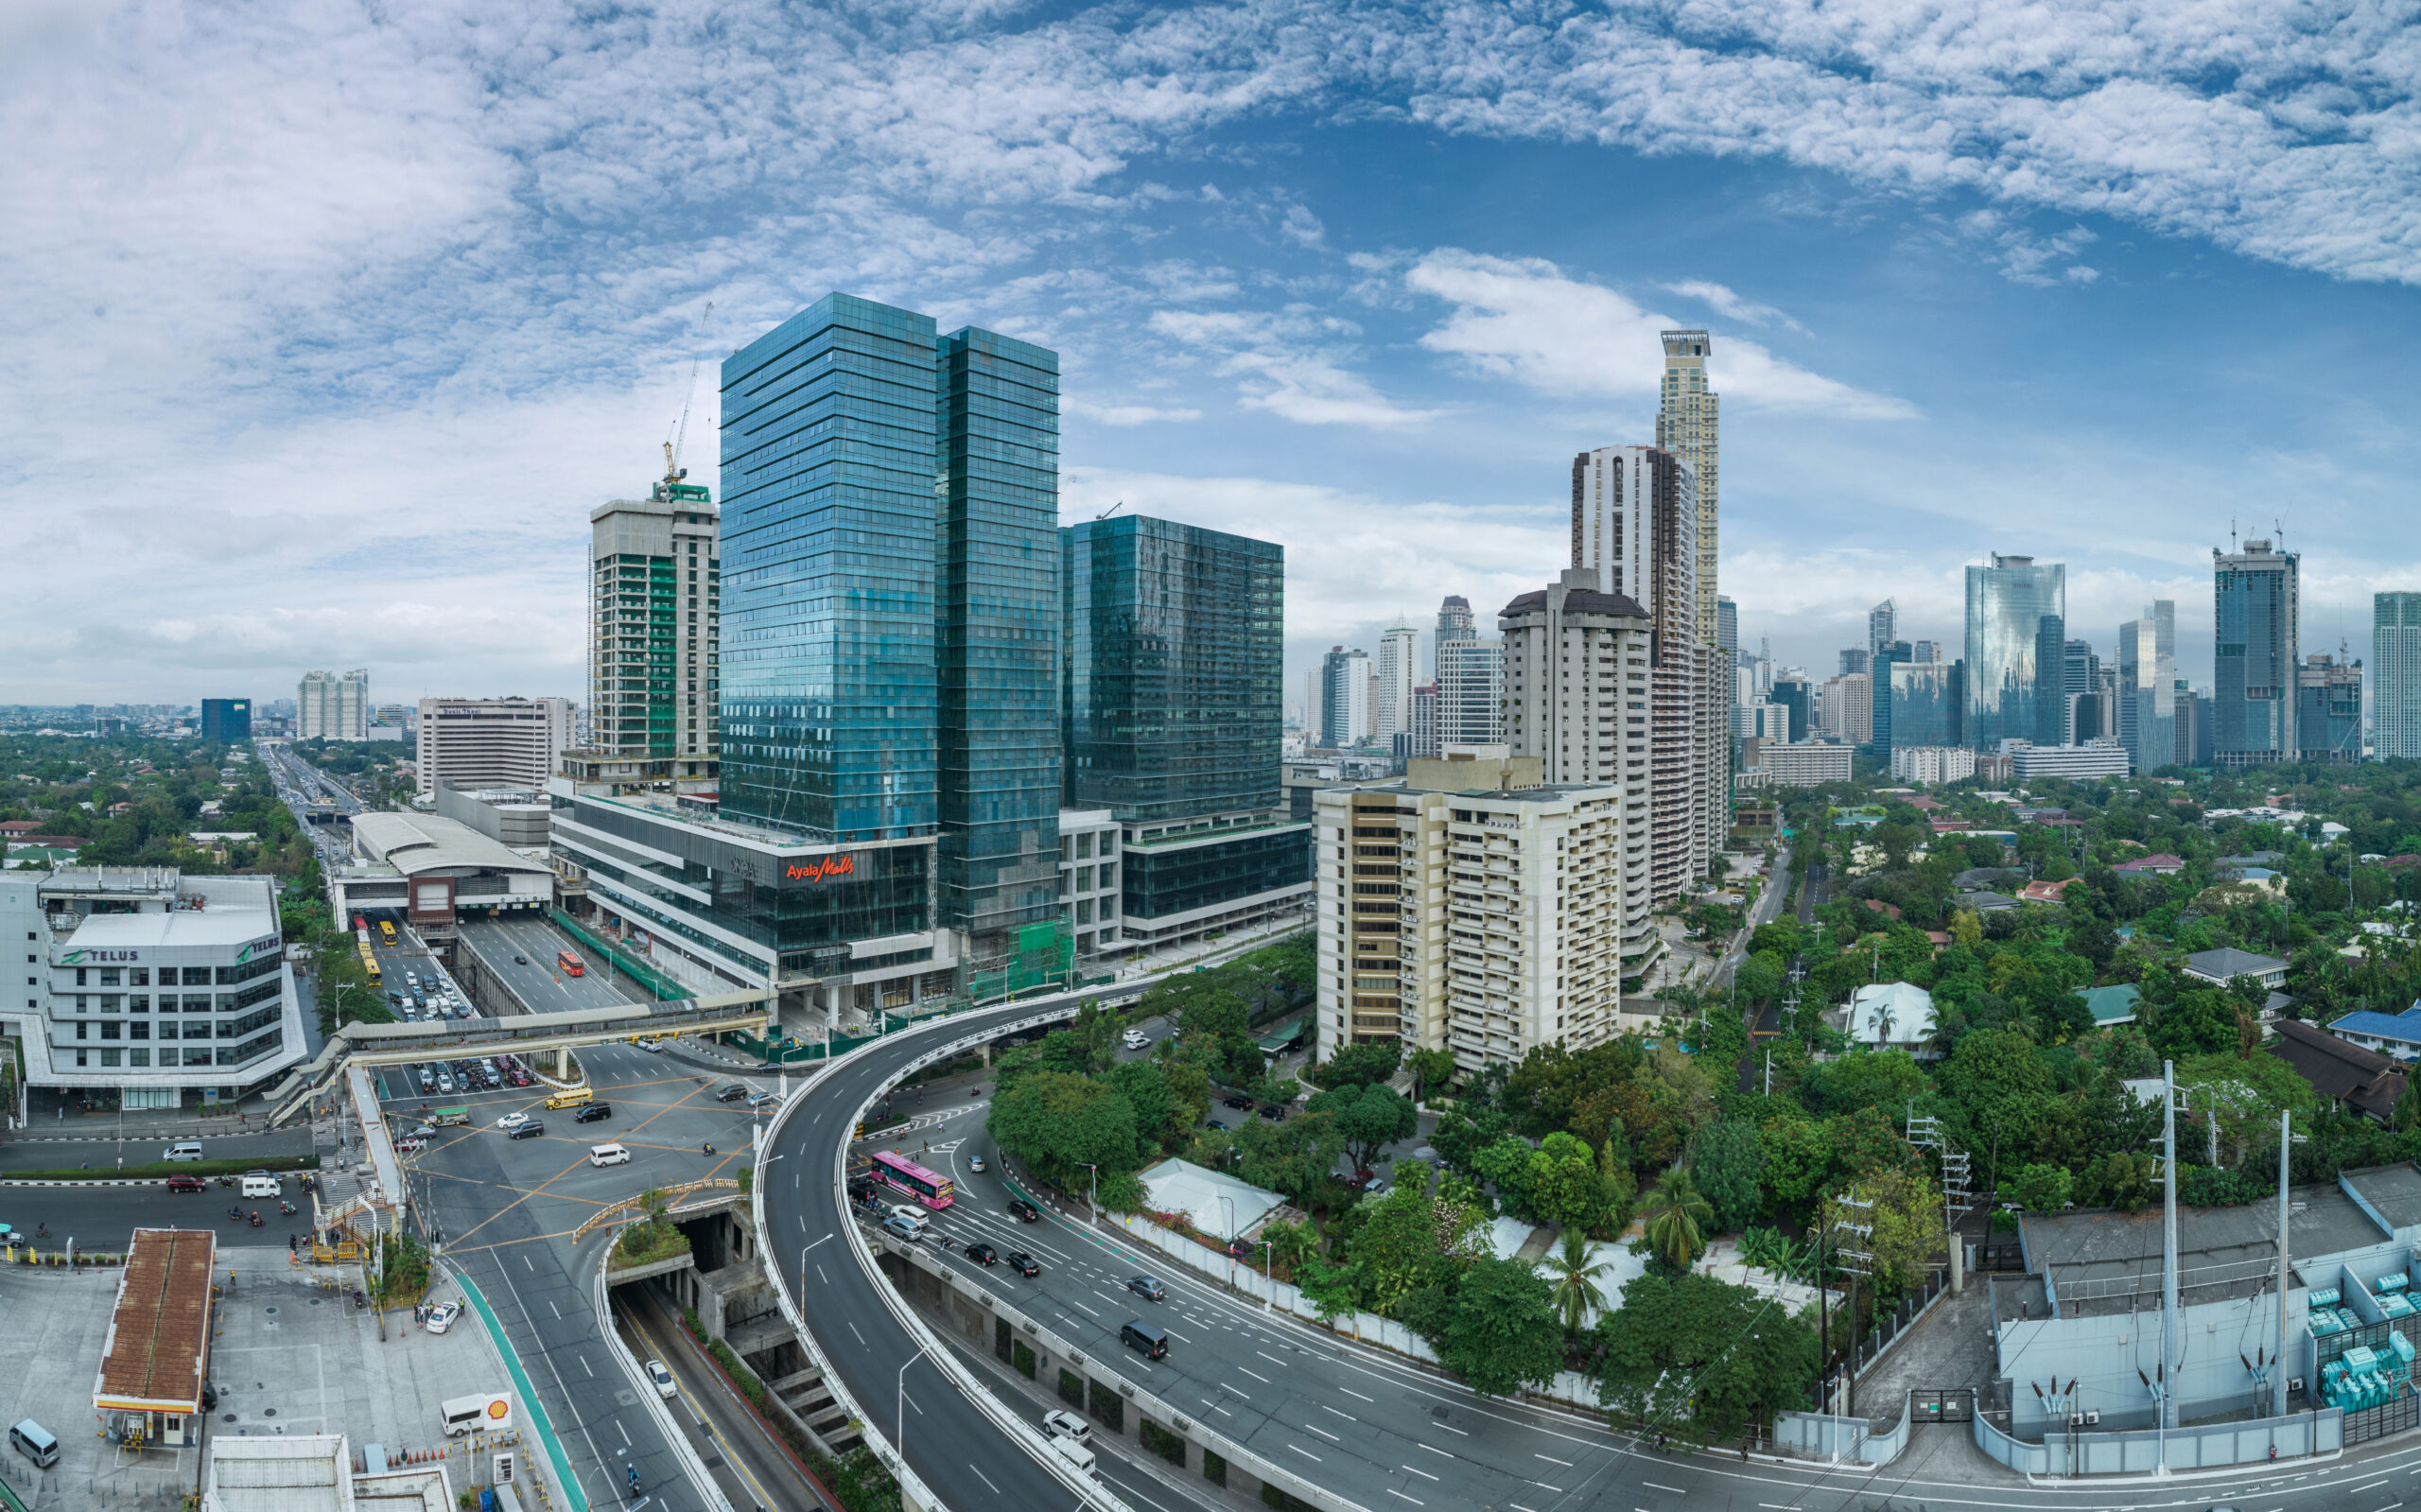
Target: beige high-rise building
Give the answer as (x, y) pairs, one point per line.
(1635, 525)
(1472, 908)
(1398, 672)
(1686, 426)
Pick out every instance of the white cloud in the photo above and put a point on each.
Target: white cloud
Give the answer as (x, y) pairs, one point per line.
(1290, 364)
(1124, 414)
(1731, 306)
(1527, 320)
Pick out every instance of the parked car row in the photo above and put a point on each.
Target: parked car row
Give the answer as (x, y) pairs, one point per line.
(471, 1076)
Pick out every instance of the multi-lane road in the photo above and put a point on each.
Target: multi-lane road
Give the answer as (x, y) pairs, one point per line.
(522, 949)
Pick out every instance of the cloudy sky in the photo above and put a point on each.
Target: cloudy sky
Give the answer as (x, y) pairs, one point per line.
(329, 322)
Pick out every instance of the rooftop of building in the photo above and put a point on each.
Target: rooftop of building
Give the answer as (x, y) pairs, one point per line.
(415, 844)
(2405, 1026)
(1576, 602)
(2393, 1193)
(2229, 961)
(162, 928)
(2104, 1262)
(160, 1331)
(2364, 1079)
(669, 808)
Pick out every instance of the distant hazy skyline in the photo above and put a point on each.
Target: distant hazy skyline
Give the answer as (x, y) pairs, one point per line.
(331, 324)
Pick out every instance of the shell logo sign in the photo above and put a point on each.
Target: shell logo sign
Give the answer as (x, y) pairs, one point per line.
(500, 1408)
(823, 870)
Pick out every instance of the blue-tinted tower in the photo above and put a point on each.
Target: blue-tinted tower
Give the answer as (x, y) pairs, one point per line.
(829, 704)
(995, 553)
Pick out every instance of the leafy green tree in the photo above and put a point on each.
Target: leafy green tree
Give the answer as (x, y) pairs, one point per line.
(1506, 1166)
(1501, 1333)
(2001, 1090)
(1903, 1210)
(2201, 1021)
(1060, 1122)
(1728, 1161)
(1798, 1158)
(1293, 1157)
(1677, 1216)
(1463, 1133)
(1562, 1185)
(1432, 1071)
(1864, 1078)
(1702, 1359)
(1359, 1064)
(1758, 978)
(2044, 1189)
(1369, 1117)
(1574, 1274)
(1410, 1240)
(1159, 1122)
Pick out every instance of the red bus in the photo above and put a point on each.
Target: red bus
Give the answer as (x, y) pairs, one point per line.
(905, 1175)
(361, 924)
(570, 964)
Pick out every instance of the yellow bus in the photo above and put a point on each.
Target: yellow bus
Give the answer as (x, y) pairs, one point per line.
(369, 963)
(387, 931)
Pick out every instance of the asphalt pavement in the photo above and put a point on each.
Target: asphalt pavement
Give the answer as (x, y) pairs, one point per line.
(102, 1156)
(506, 1209)
(536, 978)
(103, 1219)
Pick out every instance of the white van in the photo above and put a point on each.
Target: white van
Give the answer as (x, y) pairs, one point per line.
(609, 1154)
(1075, 1453)
(913, 1217)
(34, 1442)
(190, 1151)
(261, 1187)
(488, 1413)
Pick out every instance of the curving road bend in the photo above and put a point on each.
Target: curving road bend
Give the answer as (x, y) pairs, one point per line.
(961, 1457)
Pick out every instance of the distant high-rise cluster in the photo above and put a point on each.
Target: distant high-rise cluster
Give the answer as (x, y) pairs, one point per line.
(330, 707)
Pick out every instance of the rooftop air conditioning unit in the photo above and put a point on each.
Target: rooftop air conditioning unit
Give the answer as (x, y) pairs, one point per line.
(2092, 1417)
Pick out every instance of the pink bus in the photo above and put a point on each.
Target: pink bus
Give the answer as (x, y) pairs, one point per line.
(902, 1175)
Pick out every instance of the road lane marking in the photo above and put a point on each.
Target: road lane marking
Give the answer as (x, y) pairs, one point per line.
(1452, 1429)
(1223, 1386)
(1552, 1460)
(1348, 1417)
(1305, 1452)
(985, 1479)
(1653, 1486)
(1423, 1474)
(853, 1328)
(583, 1364)
(818, 1241)
(1264, 1379)
(1434, 1449)
(1323, 1433)
(1358, 1396)
(1271, 1358)
(1400, 1497)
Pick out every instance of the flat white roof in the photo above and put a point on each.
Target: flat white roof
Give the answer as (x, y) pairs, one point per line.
(173, 927)
(1182, 1187)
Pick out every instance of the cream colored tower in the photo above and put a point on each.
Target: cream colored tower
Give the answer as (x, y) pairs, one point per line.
(1686, 425)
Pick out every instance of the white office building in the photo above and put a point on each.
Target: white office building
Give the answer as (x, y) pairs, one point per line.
(2077, 763)
(1808, 765)
(1088, 875)
(1398, 672)
(490, 743)
(165, 989)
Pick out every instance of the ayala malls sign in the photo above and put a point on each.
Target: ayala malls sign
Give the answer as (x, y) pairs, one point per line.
(823, 869)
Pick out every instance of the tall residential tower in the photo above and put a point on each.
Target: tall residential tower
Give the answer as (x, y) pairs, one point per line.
(2395, 674)
(654, 566)
(1686, 425)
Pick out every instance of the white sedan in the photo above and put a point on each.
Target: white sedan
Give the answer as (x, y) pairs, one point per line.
(442, 1316)
(512, 1121)
(663, 1378)
(975, 1163)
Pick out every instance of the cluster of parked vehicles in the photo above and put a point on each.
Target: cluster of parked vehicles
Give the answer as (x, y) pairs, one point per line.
(483, 1075)
(431, 998)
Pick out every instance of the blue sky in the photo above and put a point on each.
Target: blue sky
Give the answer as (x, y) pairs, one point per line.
(332, 323)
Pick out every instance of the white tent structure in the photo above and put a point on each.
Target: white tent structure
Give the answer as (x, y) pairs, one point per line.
(1215, 1204)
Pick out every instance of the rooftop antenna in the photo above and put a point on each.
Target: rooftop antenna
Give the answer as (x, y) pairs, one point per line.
(674, 471)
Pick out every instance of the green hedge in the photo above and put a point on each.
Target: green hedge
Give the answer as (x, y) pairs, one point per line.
(1071, 1389)
(1214, 1468)
(1167, 1444)
(1284, 1501)
(172, 1168)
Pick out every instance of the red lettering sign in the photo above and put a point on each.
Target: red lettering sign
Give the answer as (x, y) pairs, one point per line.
(822, 871)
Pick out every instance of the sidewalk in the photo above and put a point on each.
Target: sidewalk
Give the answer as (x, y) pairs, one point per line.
(51, 1123)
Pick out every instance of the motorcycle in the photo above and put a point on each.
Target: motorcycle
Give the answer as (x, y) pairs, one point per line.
(256, 1220)
(287, 1209)
(360, 1299)
(235, 1215)
(226, 1181)
(710, 1148)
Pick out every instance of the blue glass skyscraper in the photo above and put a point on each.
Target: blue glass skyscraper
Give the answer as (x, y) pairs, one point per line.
(2256, 598)
(2007, 604)
(996, 484)
(828, 688)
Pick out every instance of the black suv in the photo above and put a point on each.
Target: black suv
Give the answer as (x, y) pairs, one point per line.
(1024, 1211)
(732, 1093)
(526, 1131)
(591, 1112)
(1022, 1263)
(1237, 1101)
(983, 1254)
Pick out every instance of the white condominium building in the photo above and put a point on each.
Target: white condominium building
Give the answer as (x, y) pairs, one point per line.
(1932, 764)
(490, 743)
(1804, 766)
(2077, 763)
(1686, 416)
(1397, 671)
(1472, 908)
(330, 707)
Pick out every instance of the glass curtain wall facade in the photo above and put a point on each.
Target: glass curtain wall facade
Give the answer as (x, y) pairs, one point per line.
(2148, 686)
(1174, 662)
(2252, 659)
(829, 669)
(996, 551)
(1925, 706)
(2007, 602)
(2395, 674)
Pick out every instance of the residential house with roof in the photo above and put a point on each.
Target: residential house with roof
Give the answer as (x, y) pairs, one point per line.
(2357, 1080)
(2396, 1035)
(2158, 865)
(2111, 1006)
(1892, 1016)
(2222, 966)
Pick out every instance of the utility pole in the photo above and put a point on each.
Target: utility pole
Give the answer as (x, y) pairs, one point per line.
(2169, 1319)
(1866, 1232)
(2279, 1385)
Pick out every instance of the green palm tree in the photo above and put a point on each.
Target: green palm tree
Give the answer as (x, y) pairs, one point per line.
(1675, 1213)
(1573, 1276)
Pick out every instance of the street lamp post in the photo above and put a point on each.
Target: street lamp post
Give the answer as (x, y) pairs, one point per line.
(899, 1432)
(1230, 1202)
(1093, 1191)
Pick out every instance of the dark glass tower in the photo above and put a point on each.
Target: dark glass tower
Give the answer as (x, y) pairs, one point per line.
(996, 552)
(828, 688)
(1175, 642)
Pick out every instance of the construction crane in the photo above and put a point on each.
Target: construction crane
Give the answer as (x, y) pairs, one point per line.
(674, 471)
(1112, 510)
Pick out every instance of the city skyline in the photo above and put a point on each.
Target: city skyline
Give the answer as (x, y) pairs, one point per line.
(1274, 316)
